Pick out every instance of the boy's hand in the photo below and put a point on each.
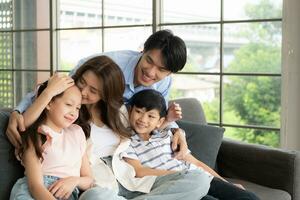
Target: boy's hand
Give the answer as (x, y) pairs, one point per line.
(15, 124)
(239, 186)
(174, 112)
(179, 144)
(63, 188)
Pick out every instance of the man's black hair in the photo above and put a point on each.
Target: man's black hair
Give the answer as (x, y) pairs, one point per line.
(149, 99)
(172, 47)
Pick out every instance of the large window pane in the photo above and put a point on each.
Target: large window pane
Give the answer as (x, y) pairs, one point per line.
(77, 44)
(203, 46)
(126, 38)
(256, 136)
(26, 82)
(202, 87)
(190, 11)
(79, 13)
(31, 14)
(32, 50)
(252, 9)
(129, 12)
(6, 50)
(6, 89)
(252, 100)
(6, 15)
(252, 47)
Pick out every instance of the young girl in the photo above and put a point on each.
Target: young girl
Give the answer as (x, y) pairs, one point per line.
(53, 152)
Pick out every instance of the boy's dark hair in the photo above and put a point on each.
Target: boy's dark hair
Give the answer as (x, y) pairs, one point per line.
(149, 99)
(172, 47)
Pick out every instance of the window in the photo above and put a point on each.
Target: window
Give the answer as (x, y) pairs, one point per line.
(234, 55)
(234, 63)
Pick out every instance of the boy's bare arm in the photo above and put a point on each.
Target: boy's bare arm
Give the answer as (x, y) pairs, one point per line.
(141, 171)
(191, 159)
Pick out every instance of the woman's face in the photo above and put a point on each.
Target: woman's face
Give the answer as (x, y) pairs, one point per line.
(89, 85)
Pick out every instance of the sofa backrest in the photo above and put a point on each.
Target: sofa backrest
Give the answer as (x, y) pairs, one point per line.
(192, 110)
(10, 169)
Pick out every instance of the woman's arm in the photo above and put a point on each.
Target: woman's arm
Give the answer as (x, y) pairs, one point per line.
(56, 85)
(86, 176)
(34, 175)
(141, 171)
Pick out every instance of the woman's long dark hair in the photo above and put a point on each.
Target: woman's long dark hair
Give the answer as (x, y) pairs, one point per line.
(31, 134)
(112, 89)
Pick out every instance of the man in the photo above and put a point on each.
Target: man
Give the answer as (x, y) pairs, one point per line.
(163, 54)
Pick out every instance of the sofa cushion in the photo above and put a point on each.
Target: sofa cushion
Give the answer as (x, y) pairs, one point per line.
(264, 193)
(203, 140)
(10, 169)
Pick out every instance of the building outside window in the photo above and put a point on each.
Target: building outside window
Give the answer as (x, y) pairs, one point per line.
(234, 51)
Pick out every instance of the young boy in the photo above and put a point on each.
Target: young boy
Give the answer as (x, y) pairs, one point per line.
(150, 151)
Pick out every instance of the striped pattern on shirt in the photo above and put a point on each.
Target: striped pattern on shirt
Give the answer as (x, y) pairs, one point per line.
(155, 153)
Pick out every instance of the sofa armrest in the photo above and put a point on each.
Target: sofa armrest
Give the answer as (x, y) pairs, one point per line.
(262, 165)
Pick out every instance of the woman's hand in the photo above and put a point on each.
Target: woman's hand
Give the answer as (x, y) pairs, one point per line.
(63, 188)
(179, 144)
(58, 83)
(15, 124)
(174, 112)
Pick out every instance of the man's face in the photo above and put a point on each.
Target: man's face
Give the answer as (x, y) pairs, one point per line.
(150, 69)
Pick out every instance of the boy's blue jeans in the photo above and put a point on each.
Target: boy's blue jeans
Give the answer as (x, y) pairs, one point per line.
(20, 190)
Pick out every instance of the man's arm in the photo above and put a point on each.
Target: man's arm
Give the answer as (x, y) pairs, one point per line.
(141, 171)
(16, 120)
(25, 102)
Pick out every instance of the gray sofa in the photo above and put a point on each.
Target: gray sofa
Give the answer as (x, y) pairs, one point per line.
(272, 174)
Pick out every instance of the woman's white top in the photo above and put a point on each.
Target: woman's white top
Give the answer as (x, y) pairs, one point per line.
(105, 141)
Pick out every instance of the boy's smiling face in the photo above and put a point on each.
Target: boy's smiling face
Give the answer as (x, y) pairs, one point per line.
(144, 122)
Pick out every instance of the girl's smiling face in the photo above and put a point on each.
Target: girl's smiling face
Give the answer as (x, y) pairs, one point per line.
(63, 110)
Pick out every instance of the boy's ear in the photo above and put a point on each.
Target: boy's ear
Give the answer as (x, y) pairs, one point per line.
(160, 122)
(129, 109)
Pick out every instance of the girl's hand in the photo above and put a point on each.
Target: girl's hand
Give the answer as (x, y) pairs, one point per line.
(179, 144)
(63, 188)
(174, 112)
(58, 83)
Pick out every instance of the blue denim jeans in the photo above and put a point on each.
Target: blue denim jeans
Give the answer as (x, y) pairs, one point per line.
(20, 190)
(186, 184)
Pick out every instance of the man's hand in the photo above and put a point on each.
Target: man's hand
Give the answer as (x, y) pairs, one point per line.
(174, 112)
(63, 188)
(179, 144)
(15, 124)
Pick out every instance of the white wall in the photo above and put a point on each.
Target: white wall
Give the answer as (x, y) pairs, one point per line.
(290, 116)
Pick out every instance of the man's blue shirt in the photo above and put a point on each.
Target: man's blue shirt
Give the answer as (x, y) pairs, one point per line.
(127, 61)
